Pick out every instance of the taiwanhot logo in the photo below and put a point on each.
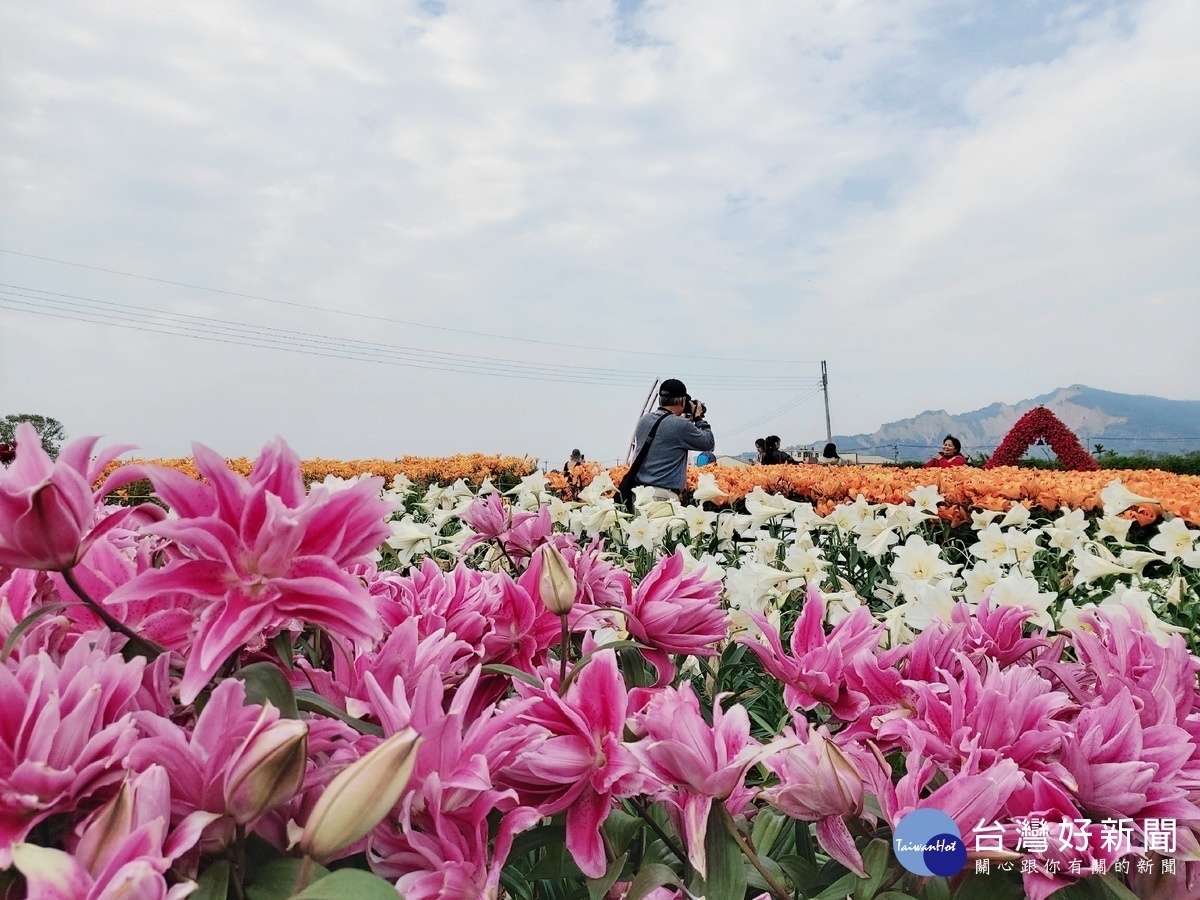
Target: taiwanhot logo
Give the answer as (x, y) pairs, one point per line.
(927, 842)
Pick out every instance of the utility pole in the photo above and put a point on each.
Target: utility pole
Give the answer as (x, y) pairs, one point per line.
(825, 388)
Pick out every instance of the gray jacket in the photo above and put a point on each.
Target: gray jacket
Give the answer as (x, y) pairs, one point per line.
(665, 465)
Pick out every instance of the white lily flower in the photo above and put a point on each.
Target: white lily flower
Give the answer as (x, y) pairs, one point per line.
(981, 519)
(1068, 531)
(560, 511)
(763, 507)
(698, 521)
(1130, 605)
(804, 517)
(1021, 590)
(401, 483)
(1113, 527)
(844, 518)
(1017, 515)
(1091, 567)
(600, 485)
(979, 580)
(992, 546)
(808, 562)
(754, 586)
(905, 519)
(1022, 543)
(640, 533)
(707, 488)
(487, 487)
(707, 565)
(926, 497)
(597, 518)
(1138, 559)
(932, 603)
(1174, 539)
(409, 537)
(839, 604)
(1117, 498)
(919, 562)
(879, 544)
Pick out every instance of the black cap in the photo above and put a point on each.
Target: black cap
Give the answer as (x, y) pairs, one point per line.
(671, 389)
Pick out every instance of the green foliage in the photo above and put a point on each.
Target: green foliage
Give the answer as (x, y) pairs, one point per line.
(51, 431)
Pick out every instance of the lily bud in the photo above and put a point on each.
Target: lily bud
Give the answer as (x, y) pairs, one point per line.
(557, 583)
(268, 770)
(360, 796)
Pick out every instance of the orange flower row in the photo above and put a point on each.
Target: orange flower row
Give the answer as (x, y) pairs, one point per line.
(964, 488)
(471, 467)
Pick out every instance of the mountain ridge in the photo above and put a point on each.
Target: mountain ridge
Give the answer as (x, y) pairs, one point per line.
(1126, 423)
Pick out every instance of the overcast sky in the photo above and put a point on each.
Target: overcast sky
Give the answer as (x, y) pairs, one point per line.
(385, 227)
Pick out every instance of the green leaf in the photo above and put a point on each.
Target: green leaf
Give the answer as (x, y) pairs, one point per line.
(598, 887)
(621, 828)
(937, 889)
(875, 861)
(311, 701)
(285, 648)
(840, 889)
(213, 883)
(651, 877)
(799, 870)
(266, 681)
(1113, 888)
(894, 895)
(25, 624)
(726, 876)
(277, 880)
(512, 672)
(349, 883)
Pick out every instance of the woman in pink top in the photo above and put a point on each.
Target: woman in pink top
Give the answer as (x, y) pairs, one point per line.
(950, 455)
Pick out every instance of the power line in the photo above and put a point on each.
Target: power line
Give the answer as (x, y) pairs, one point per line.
(243, 334)
(775, 413)
(394, 321)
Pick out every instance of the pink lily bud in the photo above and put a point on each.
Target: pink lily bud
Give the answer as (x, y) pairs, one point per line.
(360, 796)
(268, 769)
(556, 586)
(47, 507)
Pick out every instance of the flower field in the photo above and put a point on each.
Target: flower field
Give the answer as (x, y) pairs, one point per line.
(467, 679)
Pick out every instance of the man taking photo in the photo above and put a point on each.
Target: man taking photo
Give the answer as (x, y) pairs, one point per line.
(678, 426)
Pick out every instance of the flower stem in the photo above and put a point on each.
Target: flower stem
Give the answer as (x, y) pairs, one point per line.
(144, 645)
(563, 647)
(773, 886)
(305, 875)
(658, 829)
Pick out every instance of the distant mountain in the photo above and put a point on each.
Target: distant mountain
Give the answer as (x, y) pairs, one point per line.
(1121, 422)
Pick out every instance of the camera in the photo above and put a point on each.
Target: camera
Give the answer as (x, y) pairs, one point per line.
(694, 409)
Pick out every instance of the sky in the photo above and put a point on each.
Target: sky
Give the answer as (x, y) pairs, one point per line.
(382, 227)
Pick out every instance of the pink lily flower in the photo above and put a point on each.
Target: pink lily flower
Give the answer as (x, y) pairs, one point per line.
(695, 763)
(263, 555)
(215, 767)
(820, 669)
(48, 510)
(124, 849)
(1123, 769)
(582, 763)
(676, 613)
(1083, 843)
(65, 733)
(1011, 713)
(819, 783)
